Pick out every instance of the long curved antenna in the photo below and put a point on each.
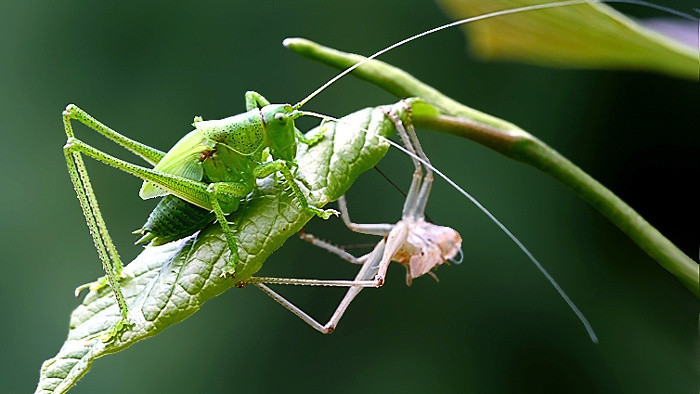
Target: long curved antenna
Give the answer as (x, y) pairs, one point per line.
(569, 302)
(481, 17)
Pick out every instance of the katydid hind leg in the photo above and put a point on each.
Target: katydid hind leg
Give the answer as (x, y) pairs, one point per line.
(149, 154)
(254, 100)
(98, 230)
(196, 192)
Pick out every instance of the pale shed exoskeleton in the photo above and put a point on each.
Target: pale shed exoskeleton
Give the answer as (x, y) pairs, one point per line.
(413, 242)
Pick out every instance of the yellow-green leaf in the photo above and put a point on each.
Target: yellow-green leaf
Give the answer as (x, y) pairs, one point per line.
(581, 35)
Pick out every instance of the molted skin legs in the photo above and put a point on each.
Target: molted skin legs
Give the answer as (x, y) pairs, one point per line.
(362, 280)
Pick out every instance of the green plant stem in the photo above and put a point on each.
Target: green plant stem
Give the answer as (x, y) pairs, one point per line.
(515, 143)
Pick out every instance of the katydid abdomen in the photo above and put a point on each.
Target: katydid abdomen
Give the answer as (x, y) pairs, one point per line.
(173, 219)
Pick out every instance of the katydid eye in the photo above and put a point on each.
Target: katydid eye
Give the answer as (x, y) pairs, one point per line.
(279, 117)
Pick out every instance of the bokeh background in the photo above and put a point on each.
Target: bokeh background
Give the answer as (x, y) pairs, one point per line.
(492, 324)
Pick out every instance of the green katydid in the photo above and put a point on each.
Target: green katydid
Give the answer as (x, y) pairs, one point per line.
(208, 170)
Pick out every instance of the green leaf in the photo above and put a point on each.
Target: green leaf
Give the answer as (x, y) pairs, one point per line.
(168, 283)
(582, 35)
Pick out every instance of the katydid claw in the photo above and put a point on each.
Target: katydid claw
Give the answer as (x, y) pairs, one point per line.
(330, 212)
(323, 213)
(116, 330)
(229, 271)
(69, 109)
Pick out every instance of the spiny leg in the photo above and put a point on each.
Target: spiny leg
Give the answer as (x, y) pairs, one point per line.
(103, 243)
(217, 192)
(195, 192)
(98, 230)
(151, 155)
(81, 182)
(282, 166)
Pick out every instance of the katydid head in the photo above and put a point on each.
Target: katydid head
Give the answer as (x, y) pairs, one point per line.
(280, 131)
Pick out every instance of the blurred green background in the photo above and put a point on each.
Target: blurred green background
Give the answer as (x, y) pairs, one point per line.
(492, 324)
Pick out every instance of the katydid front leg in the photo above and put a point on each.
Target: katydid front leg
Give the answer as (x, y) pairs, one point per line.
(223, 191)
(282, 166)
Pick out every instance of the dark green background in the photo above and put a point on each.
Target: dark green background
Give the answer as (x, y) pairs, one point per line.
(492, 324)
